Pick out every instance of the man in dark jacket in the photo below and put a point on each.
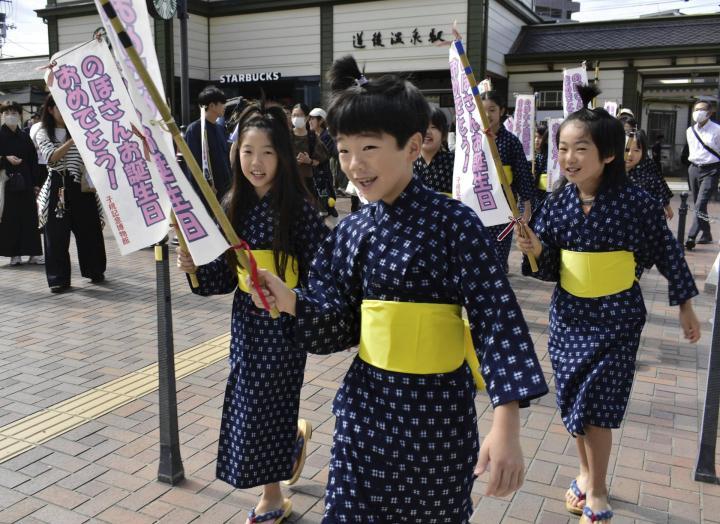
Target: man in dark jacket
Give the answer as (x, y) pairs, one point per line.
(218, 170)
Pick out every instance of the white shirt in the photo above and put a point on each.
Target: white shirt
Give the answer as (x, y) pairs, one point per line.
(710, 134)
(33, 133)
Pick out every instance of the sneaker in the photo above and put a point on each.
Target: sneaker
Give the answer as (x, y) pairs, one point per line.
(15, 261)
(690, 244)
(60, 288)
(36, 260)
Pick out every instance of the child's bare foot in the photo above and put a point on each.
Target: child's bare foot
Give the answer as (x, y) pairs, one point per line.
(597, 509)
(575, 495)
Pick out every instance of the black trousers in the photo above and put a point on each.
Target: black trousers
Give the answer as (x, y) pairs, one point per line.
(82, 220)
(703, 181)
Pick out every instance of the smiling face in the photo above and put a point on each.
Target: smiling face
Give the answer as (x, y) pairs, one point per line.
(258, 160)
(376, 165)
(432, 140)
(579, 157)
(633, 154)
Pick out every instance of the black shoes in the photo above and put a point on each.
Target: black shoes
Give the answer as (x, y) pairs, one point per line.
(690, 244)
(97, 279)
(59, 288)
(705, 240)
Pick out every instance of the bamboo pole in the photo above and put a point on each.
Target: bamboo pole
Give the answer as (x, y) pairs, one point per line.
(182, 146)
(493, 146)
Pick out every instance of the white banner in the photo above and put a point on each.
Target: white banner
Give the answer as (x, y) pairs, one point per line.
(525, 124)
(611, 107)
(554, 172)
(475, 179)
(98, 113)
(571, 98)
(204, 239)
(509, 124)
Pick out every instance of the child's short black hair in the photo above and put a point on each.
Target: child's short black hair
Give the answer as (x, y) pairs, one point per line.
(439, 120)
(494, 97)
(211, 95)
(606, 132)
(388, 104)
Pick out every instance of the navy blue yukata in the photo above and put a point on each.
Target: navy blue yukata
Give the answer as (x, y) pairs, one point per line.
(259, 421)
(647, 176)
(405, 445)
(540, 168)
(438, 174)
(523, 185)
(593, 342)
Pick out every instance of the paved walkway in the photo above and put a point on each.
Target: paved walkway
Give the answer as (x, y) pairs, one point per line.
(54, 348)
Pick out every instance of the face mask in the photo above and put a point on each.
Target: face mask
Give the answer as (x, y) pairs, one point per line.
(298, 122)
(10, 120)
(699, 116)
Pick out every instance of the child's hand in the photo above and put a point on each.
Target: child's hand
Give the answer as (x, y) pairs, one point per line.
(689, 322)
(276, 292)
(527, 241)
(501, 453)
(185, 262)
(668, 212)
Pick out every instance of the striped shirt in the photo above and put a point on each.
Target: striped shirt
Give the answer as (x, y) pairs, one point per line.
(72, 162)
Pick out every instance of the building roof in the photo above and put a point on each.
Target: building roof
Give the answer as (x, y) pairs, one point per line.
(618, 38)
(22, 70)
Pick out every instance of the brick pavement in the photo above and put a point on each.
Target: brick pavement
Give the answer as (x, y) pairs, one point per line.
(55, 347)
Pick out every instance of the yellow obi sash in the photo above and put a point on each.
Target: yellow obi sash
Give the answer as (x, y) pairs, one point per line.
(449, 195)
(265, 260)
(508, 173)
(592, 275)
(542, 182)
(416, 338)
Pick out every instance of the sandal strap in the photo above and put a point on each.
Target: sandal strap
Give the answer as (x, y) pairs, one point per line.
(597, 517)
(576, 490)
(299, 443)
(264, 517)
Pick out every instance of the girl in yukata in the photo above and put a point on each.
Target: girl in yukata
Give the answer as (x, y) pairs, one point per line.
(593, 236)
(517, 169)
(643, 171)
(261, 440)
(392, 277)
(435, 164)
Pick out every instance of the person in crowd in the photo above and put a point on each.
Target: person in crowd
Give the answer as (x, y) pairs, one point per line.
(643, 172)
(218, 158)
(517, 169)
(434, 166)
(19, 235)
(593, 236)
(703, 140)
(42, 161)
(262, 442)
(405, 446)
(68, 205)
(324, 176)
(629, 123)
(310, 151)
(540, 164)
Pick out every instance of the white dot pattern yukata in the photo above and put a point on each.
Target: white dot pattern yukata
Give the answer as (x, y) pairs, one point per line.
(593, 342)
(647, 176)
(259, 421)
(438, 174)
(405, 444)
(523, 185)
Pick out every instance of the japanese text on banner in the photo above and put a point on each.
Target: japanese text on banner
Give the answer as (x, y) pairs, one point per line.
(475, 179)
(204, 239)
(525, 123)
(571, 98)
(554, 172)
(89, 92)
